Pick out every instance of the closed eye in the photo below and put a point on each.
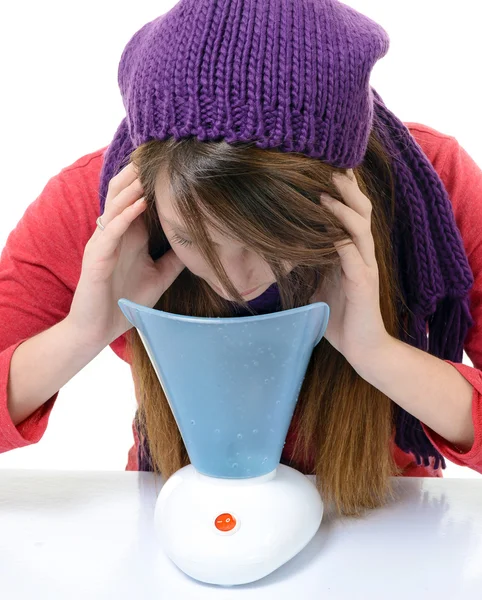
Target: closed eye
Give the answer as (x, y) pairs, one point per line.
(181, 241)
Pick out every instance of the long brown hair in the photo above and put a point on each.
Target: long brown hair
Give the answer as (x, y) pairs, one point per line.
(270, 201)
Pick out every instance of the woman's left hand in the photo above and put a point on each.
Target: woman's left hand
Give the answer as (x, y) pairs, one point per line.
(355, 327)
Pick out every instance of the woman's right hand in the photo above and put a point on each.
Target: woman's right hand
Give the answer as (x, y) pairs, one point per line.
(116, 264)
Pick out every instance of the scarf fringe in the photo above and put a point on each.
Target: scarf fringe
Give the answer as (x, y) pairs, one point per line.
(447, 331)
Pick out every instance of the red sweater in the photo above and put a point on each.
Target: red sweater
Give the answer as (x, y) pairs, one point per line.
(41, 263)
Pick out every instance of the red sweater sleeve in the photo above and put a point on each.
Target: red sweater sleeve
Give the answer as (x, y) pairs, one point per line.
(39, 268)
(463, 180)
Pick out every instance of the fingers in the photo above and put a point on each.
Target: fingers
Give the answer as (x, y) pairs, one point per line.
(124, 189)
(352, 263)
(124, 178)
(109, 239)
(358, 228)
(351, 193)
(355, 215)
(169, 267)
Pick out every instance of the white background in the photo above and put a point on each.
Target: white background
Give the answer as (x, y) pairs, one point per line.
(59, 100)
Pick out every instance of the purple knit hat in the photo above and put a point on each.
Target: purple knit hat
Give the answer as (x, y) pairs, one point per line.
(294, 74)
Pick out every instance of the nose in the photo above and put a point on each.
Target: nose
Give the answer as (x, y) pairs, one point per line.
(239, 265)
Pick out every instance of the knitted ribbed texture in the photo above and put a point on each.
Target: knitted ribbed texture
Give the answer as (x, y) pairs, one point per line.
(291, 74)
(294, 74)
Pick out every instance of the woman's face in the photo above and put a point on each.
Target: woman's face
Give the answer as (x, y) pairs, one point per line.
(249, 273)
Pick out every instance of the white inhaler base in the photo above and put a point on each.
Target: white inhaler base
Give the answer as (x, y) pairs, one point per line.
(236, 531)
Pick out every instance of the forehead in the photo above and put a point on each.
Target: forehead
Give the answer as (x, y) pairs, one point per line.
(164, 196)
(166, 209)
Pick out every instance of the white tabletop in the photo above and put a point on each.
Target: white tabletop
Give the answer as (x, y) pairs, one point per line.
(89, 535)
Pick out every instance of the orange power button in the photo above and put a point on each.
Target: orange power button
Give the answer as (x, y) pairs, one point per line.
(225, 522)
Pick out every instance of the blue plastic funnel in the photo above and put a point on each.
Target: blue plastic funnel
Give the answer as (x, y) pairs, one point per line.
(232, 383)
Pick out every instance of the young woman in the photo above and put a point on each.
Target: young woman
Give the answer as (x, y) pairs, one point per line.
(257, 170)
